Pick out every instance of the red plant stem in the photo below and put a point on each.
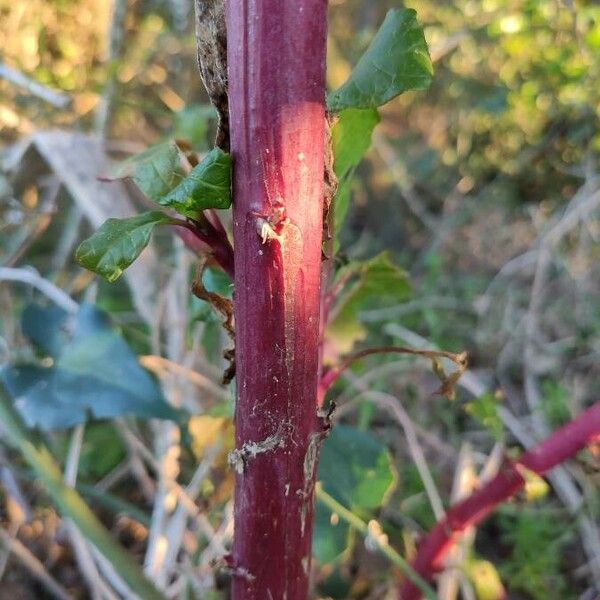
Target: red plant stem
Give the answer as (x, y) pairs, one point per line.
(558, 447)
(208, 236)
(276, 58)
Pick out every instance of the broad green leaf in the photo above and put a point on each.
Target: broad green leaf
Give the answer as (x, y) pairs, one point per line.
(375, 278)
(155, 171)
(45, 327)
(396, 61)
(94, 374)
(331, 535)
(208, 185)
(70, 503)
(118, 243)
(351, 137)
(356, 469)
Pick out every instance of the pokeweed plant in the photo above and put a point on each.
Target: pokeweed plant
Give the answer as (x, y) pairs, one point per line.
(293, 159)
(284, 158)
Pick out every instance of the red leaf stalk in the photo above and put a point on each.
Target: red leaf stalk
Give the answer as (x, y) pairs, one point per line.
(276, 56)
(558, 447)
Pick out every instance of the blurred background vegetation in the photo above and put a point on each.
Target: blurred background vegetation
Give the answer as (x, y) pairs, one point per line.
(485, 188)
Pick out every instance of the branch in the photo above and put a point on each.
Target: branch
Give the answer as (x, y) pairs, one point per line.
(331, 375)
(558, 447)
(208, 236)
(30, 277)
(55, 98)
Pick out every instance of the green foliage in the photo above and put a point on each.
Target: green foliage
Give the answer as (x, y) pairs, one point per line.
(118, 243)
(207, 186)
(396, 61)
(351, 138)
(415, 504)
(70, 503)
(102, 450)
(361, 281)
(485, 410)
(156, 171)
(191, 123)
(89, 373)
(537, 539)
(356, 470)
(554, 403)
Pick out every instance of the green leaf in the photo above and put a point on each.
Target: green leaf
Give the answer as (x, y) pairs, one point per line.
(485, 410)
(396, 61)
(351, 137)
(207, 186)
(155, 171)
(191, 123)
(375, 278)
(70, 503)
(45, 327)
(356, 470)
(118, 243)
(94, 374)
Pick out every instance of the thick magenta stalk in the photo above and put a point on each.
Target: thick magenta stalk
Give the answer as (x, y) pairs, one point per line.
(276, 56)
(558, 447)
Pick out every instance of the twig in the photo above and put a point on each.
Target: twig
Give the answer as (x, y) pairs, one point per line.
(345, 403)
(331, 375)
(44, 218)
(167, 435)
(558, 447)
(30, 277)
(462, 486)
(34, 566)
(401, 178)
(392, 405)
(115, 44)
(53, 97)
(207, 236)
(159, 364)
(464, 483)
(176, 526)
(561, 480)
(97, 587)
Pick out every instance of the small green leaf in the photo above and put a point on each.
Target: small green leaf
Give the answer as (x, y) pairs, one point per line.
(351, 136)
(375, 278)
(356, 470)
(155, 171)
(207, 186)
(396, 61)
(485, 410)
(118, 243)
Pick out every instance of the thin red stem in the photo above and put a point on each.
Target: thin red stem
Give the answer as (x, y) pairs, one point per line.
(558, 447)
(208, 236)
(332, 374)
